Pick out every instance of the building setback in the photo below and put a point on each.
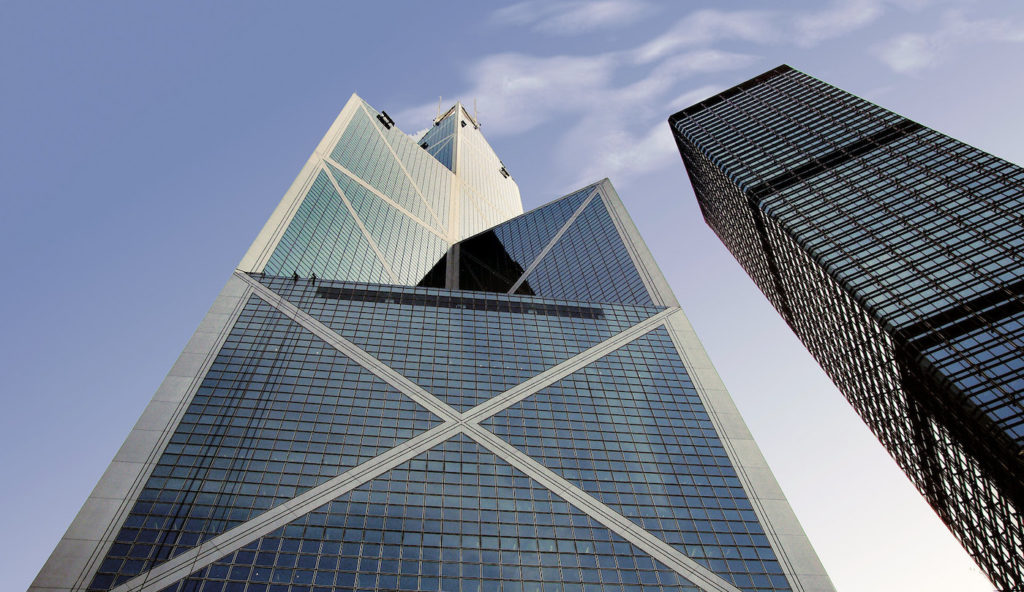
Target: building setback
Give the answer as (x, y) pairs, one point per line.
(409, 384)
(896, 254)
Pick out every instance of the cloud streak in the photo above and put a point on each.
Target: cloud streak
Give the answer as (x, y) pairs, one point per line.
(599, 114)
(704, 27)
(912, 52)
(839, 18)
(610, 106)
(572, 17)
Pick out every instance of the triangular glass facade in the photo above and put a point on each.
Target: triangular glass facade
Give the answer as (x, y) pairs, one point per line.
(439, 141)
(408, 384)
(589, 262)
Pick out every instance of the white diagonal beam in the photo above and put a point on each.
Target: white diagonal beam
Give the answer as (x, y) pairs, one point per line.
(469, 422)
(385, 198)
(394, 155)
(552, 375)
(698, 574)
(454, 422)
(551, 243)
(196, 558)
(353, 351)
(369, 239)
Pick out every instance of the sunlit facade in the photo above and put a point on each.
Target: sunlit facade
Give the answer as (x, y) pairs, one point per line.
(896, 254)
(409, 384)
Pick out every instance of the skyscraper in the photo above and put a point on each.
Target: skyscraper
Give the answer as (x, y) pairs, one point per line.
(896, 254)
(408, 384)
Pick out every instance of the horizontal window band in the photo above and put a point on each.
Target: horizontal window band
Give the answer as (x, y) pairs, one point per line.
(833, 159)
(965, 317)
(725, 94)
(467, 302)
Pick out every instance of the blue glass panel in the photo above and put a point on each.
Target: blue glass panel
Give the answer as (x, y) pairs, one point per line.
(454, 519)
(440, 141)
(363, 151)
(278, 412)
(903, 233)
(631, 430)
(814, 127)
(525, 236)
(590, 263)
(463, 347)
(409, 248)
(986, 367)
(431, 177)
(444, 152)
(323, 239)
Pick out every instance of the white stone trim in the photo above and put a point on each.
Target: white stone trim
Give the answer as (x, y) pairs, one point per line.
(255, 259)
(454, 210)
(369, 239)
(455, 232)
(79, 553)
(451, 267)
(797, 557)
(551, 243)
(655, 282)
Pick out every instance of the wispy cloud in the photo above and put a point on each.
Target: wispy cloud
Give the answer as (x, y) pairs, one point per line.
(516, 92)
(707, 26)
(598, 113)
(911, 52)
(839, 18)
(623, 154)
(620, 147)
(610, 107)
(572, 17)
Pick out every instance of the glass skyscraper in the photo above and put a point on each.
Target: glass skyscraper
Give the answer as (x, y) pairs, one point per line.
(409, 384)
(896, 254)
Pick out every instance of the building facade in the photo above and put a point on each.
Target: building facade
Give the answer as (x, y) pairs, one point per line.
(409, 384)
(896, 254)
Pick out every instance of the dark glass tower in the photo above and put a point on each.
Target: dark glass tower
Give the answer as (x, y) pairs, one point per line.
(409, 384)
(896, 254)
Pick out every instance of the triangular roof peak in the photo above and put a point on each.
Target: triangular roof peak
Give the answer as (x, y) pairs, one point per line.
(455, 108)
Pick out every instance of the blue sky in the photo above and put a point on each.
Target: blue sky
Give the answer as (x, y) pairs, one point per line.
(143, 145)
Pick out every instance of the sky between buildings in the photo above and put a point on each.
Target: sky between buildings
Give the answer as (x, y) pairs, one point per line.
(143, 145)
